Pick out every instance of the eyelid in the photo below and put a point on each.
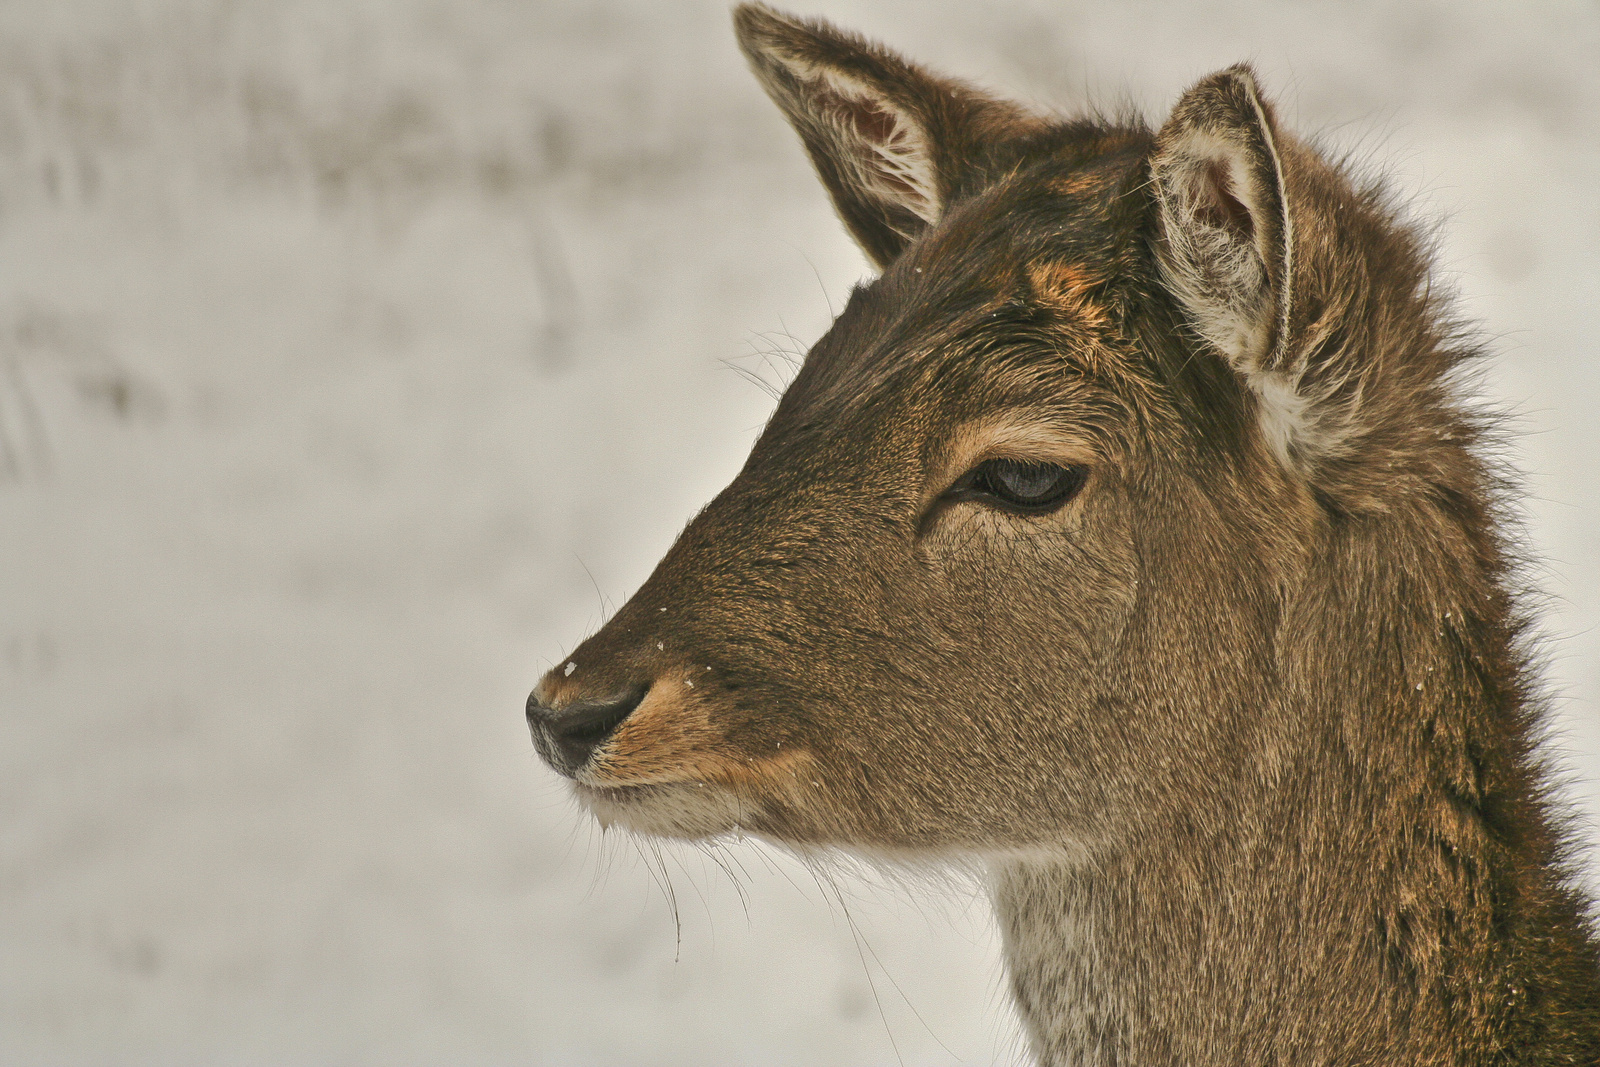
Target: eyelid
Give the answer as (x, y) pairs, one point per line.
(956, 492)
(1025, 440)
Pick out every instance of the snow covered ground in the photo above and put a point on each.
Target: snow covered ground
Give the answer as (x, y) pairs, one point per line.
(356, 358)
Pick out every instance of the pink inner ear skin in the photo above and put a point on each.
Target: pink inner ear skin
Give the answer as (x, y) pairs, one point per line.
(872, 122)
(1218, 206)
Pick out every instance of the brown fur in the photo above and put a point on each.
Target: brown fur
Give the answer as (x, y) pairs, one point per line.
(1245, 729)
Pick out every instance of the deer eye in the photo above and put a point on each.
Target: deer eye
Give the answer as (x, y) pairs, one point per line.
(1032, 488)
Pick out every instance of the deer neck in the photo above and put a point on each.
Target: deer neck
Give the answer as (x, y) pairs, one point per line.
(1062, 954)
(1203, 949)
(1346, 898)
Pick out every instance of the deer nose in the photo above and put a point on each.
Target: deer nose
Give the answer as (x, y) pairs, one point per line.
(567, 736)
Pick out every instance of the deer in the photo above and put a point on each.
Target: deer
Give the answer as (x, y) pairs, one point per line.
(1133, 536)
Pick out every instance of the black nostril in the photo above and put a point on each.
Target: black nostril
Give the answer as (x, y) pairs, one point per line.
(567, 737)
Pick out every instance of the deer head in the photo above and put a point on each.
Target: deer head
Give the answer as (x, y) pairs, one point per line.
(1006, 567)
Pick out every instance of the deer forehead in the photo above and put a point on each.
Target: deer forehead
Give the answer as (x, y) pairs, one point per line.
(941, 408)
(1011, 301)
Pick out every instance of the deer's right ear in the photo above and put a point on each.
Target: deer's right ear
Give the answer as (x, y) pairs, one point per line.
(890, 141)
(1226, 247)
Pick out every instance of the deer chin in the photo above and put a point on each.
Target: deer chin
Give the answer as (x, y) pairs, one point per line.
(685, 810)
(713, 796)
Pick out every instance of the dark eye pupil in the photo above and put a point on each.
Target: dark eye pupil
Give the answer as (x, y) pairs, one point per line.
(1025, 481)
(1027, 485)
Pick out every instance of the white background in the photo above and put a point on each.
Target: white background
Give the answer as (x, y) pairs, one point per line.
(356, 358)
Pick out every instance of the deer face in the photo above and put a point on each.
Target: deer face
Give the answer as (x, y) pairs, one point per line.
(991, 578)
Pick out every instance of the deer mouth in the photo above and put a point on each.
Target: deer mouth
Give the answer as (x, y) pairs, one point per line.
(651, 756)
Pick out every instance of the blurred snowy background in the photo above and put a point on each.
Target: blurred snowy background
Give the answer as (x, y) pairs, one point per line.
(355, 358)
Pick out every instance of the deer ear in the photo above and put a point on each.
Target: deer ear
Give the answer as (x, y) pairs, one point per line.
(1226, 246)
(889, 140)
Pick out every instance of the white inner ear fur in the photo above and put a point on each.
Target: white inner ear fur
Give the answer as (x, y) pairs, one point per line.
(1223, 282)
(1221, 279)
(898, 167)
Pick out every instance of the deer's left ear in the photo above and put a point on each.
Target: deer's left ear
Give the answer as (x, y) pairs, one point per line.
(892, 142)
(1226, 244)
